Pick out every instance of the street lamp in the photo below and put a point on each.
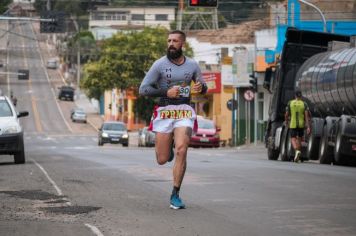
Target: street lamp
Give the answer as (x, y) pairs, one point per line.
(318, 10)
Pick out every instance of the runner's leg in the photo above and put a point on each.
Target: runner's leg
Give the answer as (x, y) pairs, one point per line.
(294, 143)
(163, 147)
(181, 138)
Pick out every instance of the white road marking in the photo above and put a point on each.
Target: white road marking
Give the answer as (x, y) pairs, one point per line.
(59, 191)
(94, 229)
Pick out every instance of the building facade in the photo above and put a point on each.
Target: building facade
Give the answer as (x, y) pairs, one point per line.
(133, 18)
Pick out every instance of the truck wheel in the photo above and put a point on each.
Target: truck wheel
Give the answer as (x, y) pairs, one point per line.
(284, 153)
(325, 151)
(313, 147)
(272, 154)
(290, 150)
(340, 159)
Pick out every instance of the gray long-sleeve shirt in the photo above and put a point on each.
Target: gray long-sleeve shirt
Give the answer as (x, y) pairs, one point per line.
(164, 74)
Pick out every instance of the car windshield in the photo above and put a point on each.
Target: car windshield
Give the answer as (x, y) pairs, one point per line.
(115, 127)
(80, 112)
(5, 109)
(205, 124)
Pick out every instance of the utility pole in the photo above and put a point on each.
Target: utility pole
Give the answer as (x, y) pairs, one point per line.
(48, 5)
(78, 66)
(180, 14)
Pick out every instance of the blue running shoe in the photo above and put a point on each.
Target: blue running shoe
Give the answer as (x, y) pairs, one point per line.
(176, 202)
(171, 154)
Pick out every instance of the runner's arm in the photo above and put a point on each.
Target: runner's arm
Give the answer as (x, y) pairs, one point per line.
(148, 86)
(198, 77)
(286, 114)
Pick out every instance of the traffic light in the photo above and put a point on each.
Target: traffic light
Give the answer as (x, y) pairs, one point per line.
(203, 3)
(253, 82)
(110, 106)
(52, 22)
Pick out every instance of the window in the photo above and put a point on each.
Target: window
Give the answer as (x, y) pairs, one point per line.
(121, 17)
(98, 16)
(161, 17)
(137, 17)
(5, 109)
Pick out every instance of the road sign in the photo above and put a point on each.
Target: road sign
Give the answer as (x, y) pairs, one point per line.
(249, 95)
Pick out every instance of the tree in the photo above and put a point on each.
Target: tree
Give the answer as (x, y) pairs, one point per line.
(3, 5)
(124, 59)
(85, 42)
(93, 81)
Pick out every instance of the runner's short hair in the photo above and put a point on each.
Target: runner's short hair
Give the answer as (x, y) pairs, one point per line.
(298, 93)
(182, 34)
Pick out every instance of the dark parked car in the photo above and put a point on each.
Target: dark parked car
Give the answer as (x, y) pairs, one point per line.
(207, 134)
(66, 93)
(113, 132)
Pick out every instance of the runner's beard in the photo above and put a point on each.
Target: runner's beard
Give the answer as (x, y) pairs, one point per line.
(174, 54)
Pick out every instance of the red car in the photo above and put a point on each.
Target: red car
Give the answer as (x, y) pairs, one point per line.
(207, 134)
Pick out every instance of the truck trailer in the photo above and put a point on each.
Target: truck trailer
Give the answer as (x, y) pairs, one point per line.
(323, 67)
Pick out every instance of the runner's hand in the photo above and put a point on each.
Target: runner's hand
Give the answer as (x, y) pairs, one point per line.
(197, 87)
(173, 92)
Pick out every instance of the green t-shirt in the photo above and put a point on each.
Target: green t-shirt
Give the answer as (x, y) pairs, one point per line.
(296, 109)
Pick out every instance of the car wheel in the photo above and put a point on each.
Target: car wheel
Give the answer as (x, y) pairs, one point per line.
(19, 157)
(273, 154)
(100, 143)
(125, 144)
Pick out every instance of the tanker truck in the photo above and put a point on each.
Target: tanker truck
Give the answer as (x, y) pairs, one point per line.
(327, 79)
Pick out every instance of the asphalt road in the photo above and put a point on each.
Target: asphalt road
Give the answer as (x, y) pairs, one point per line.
(71, 186)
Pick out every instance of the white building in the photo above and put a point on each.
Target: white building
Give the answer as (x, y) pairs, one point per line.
(105, 21)
(24, 1)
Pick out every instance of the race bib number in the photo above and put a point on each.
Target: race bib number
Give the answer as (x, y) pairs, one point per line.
(184, 91)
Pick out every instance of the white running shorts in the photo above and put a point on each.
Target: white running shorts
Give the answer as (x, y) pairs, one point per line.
(165, 119)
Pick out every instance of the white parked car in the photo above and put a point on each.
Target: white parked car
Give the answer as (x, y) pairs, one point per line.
(78, 114)
(11, 132)
(52, 63)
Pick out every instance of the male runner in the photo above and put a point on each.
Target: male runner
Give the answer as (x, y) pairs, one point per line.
(170, 78)
(297, 118)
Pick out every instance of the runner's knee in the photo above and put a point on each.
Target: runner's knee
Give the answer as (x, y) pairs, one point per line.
(161, 160)
(181, 149)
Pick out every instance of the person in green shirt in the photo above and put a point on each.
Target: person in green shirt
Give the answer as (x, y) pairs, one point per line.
(297, 118)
